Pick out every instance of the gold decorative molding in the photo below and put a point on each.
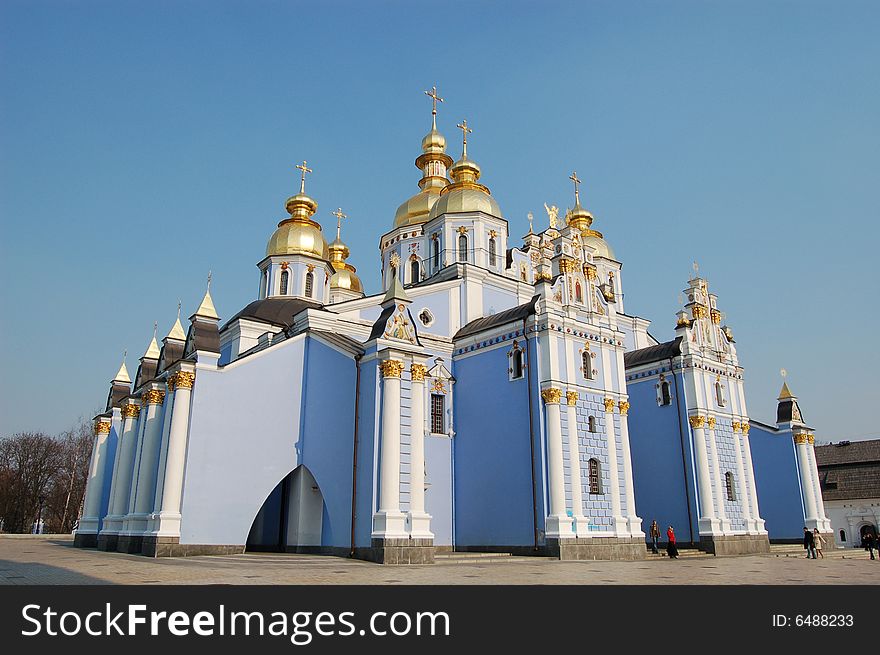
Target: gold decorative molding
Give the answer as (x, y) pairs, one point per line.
(183, 380)
(716, 316)
(418, 372)
(745, 429)
(391, 368)
(623, 406)
(131, 411)
(439, 386)
(737, 426)
(590, 272)
(153, 397)
(462, 229)
(800, 438)
(552, 396)
(568, 266)
(571, 397)
(711, 422)
(102, 427)
(697, 421)
(493, 233)
(698, 311)
(609, 404)
(811, 439)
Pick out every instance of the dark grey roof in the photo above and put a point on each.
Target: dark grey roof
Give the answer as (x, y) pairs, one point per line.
(658, 353)
(276, 311)
(785, 411)
(849, 469)
(501, 318)
(146, 371)
(172, 350)
(203, 335)
(118, 392)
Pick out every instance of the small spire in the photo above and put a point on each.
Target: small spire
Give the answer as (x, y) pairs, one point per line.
(465, 130)
(177, 329)
(122, 374)
(785, 393)
(152, 351)
(574, 178)
(395, 291)
(305, 169)
(339, 216)
(435, 99)
(206, 309)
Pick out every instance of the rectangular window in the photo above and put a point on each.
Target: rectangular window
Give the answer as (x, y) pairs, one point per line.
(438, 411)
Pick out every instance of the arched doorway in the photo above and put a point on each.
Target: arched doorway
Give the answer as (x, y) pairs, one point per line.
(291, 517)
(864, 530)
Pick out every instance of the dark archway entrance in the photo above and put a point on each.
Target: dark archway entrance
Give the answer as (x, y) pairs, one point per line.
(291, 517)
(865, 530)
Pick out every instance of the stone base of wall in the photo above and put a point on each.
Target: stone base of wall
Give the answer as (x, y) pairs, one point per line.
(398, 551)
(85, 540)
(129, 543)
(108, 542)
(738, 544)
(597, 548)
(171, 547)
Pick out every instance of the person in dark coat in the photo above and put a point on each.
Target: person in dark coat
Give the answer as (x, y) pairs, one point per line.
(809, 544)
(671, 548)
(655, 537)
(870, 543)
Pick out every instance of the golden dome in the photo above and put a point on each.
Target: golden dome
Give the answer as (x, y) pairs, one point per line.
(465, 194)
(345, 276)
(578, 217)
(415, 210)
(594, 239)
(298, 238)
(434, 142)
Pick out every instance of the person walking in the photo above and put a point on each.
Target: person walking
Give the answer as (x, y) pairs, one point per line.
(870, 543)
(809, 544)
(671, 548)
(655, 537)
(818, 543)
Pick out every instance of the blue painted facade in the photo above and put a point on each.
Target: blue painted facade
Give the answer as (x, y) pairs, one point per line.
(779, 489)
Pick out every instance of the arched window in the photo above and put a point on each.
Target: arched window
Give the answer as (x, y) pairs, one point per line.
(436, 252)
(264, 283)
(719, 393)
(664, 397)
(516, 363)
(843, 536)
(731, 487)
(595, 476)
(393, 274)
(438, 413)
(310, 284)
(591, 423)
(493, 255)
(587, 364)
(414, 271)
(285, 278)
(462, 248)
(578, 293)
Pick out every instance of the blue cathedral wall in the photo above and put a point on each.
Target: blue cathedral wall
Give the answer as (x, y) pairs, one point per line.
(367, 455)
(662, 473)
(776, 477)
(493, 481)
(109, 457)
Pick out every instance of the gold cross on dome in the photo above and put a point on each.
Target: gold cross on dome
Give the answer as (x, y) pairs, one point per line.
(339, 216)
(434, 100)
(465, 130)
(305, 169)
(574, 178)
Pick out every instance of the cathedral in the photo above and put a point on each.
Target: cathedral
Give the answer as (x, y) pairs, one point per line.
(496, 396)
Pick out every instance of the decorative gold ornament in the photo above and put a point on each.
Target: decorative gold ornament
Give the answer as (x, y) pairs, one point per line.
(571, 397)
(800, 438)
(153, 397)
(716, 316)
(609, 404)
(285, 266)
(711, 422)
(183, 380)
(131, 411)
(697, 421)
(698, 312)
(568, 266)
(590, 272)
(310, 267)
(811, 439)
(737, 426)
(391, 368)
(102, 427)
(462, 229)
(552, 396)
(493, 233)
(623, 405)
(418, 372)
(745, 429)
(439, 386)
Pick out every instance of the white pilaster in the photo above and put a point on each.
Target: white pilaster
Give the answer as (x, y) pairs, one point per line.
(147, 468)
(389, 522)
(581, 523)
(419, 520)
(558, 524)
(90, 522)
(708, 522)
(634, 521)
(720, 489)
(803, 460)
(135, 521)
(620, 522)
(750, 477)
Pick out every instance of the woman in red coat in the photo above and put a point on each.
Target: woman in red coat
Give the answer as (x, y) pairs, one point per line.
(671, 548)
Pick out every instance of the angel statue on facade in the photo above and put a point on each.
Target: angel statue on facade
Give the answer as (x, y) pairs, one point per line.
(553, 214)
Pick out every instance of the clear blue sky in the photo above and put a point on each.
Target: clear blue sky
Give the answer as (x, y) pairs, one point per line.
(142, 144)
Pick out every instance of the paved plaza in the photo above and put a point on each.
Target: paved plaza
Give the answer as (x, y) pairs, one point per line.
(54, 560)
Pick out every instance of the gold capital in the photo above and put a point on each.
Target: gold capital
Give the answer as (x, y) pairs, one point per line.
(745, 429)
(418, 372)
(391, 368)
(711, 422)
(130, 411)
(737, 426)
(623, 405)
(697, 421)
(182, 380)
(571, 397)
(102, 427)
(552, 396)
(716, 316)
(153, 397)
(811, 439)
(609, 404)
(800, 438)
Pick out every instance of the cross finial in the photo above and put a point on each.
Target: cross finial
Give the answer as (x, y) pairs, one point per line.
(574, 178)
(305, 169)
(124, 355)
(209, 281)
(434, 100)
(155, 328)
(178, 309)
(465, 130)
(783, 373)
(531, 217)
(339, 216)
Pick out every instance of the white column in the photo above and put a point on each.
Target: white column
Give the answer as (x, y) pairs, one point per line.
(823, 523)
(136, 520)
(708, 522)
(581, 522)
(167, 411)
(743, 490)
(803, 460)
(90, 522)
(389, 521)
(558, 523)
(720, 489)
(750, 477)
(167, 523)
(149, 460)
(633, 519)
(620, 523)
(419, 520)
(128, 454)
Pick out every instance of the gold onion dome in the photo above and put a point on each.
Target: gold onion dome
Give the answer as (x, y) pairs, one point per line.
(345, 276)
(581, 219)
(299, 234)
(465, 194)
